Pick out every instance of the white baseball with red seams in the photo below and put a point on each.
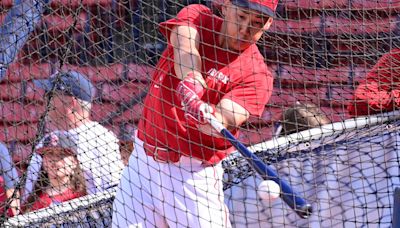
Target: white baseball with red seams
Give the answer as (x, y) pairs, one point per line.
(268, 190)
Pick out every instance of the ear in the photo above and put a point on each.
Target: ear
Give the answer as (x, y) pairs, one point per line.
(268, 24)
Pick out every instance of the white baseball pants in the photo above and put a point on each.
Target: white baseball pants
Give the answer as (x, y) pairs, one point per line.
(182, 194)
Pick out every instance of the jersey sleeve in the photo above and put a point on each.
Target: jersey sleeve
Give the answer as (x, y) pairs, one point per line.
(8, 170)
(253, 93)
(380, 91)
(189, 16)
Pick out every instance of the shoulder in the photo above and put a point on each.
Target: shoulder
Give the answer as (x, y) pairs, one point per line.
(251, 62)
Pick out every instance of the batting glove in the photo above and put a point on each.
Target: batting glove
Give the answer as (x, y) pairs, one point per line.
(189, 93)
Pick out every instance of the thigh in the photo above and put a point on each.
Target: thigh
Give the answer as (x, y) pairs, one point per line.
(198, 198)
(134, 203)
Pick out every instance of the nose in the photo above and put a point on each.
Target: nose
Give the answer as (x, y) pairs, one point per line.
(244, 29)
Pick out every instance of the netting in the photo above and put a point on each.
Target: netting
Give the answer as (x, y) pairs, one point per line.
(318, 53)
(320, 165)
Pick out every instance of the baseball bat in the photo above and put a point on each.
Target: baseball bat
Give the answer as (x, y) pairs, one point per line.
(288, 195)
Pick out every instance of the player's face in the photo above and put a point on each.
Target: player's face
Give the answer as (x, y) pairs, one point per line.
(243, 27)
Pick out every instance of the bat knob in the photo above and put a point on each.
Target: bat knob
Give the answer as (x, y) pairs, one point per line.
(304, 211)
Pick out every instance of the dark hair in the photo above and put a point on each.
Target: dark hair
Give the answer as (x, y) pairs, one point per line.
(77, 180)
(302, 117)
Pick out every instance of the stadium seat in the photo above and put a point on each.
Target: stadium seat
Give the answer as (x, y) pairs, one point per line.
(99, 73)
(11, 91)
(342, 25)
(18, 132)
(139, 72)
(33, 93)
(340, 96)
(62, 23)
(269, 115)
(16, 112)
(100, 111)
(287, 97)
(120, 93)
(380, 5)
(131, 115)
(314, 4)
(308, 76)
(336, 114)
(76, 4)
(296, 26)
(254, 136)
(3, 196)
(17, 72)
(359, 74)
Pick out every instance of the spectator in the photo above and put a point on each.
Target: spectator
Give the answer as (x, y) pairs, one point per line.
(380, 92)
(60, 178)
(10, 177)
(71, 94)
(299, 118)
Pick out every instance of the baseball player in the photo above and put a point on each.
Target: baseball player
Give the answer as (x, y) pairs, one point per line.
(211, 65)
(380, 91)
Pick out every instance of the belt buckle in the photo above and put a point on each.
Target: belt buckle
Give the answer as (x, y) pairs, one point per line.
(155, 156)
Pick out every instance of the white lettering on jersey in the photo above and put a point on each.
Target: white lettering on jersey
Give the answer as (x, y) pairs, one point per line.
(214, 73)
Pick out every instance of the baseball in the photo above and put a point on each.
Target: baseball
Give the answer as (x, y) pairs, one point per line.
(268, 190)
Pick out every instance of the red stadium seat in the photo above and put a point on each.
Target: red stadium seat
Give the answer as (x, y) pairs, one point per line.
(6, 4)
(3, 196)
(381, 5)
(131, 115)
(99, 73)
(17, 112)
(296, 26)
(120, 93)
(76, 4)
(286, 97)
(33, 93)
(11, 91)
(340, 96)
(254, 136)
(339, 25)
(138, 72)
(18, 132)
(17, 72)
(360, 74)
(269, 115)
(100, 111)
(314, 4)
(304, 76)
(61, 23)
(336, 114)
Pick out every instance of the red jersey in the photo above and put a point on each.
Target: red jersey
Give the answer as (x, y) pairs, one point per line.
(381, 89)
(45, 200)
(242, 78)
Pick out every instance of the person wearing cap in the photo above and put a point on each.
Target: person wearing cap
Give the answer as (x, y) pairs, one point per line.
(211, 65)
(60, 178)
(380, 91)
(10, 177)
(71, 94)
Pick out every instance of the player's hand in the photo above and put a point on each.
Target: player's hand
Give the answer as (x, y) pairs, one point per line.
(189, 93)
